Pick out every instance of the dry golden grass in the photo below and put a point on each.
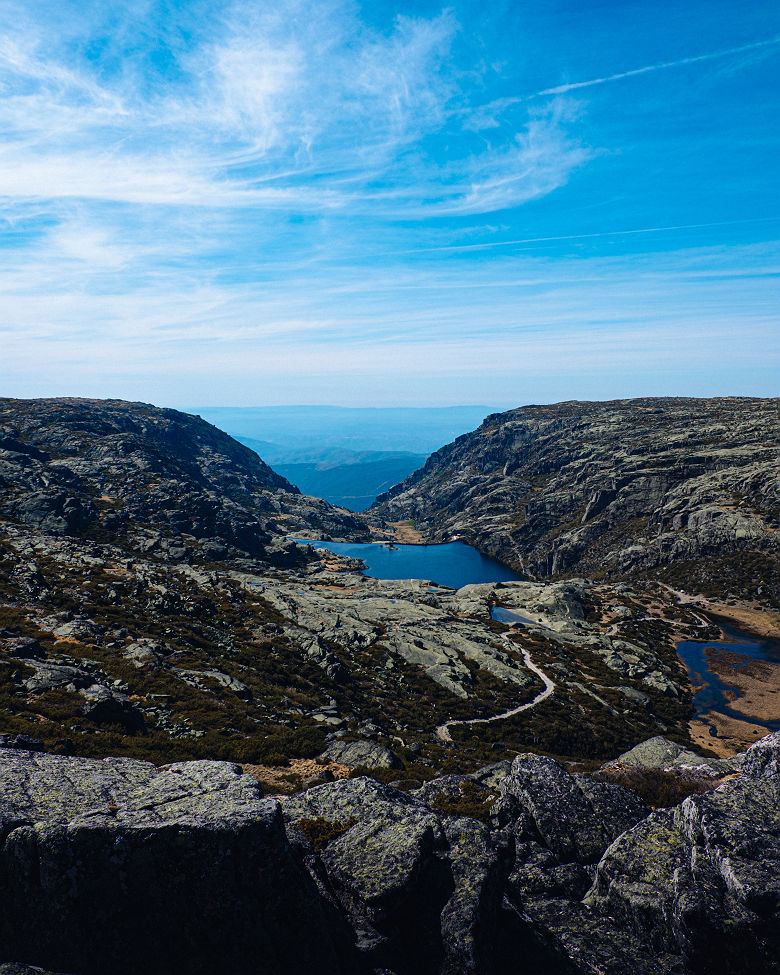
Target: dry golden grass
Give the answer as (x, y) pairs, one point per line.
(285, 780)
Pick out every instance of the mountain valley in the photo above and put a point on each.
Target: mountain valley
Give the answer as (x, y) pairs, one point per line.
(155, 609)
(683, 491)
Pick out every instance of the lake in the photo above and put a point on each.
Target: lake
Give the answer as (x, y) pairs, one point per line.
(711, 693)
(453, 564)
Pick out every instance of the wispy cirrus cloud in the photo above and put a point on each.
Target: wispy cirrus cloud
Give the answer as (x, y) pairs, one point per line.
(261, 190)
(299, 106)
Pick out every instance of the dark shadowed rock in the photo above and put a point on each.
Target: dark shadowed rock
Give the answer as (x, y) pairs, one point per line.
(424, 891)
(13, 969)
(105, 705)
(25, 742)
(118, 866)
(575, 817)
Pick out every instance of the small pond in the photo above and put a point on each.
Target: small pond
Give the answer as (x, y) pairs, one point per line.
(509, 616)
(711, 692)
(453, 564)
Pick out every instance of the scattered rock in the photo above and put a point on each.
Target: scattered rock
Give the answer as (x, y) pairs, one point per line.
(661, 753)
(105, 705)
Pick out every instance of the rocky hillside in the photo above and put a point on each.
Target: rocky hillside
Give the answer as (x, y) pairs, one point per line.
(118, 866)
(154, 480)
(685, 489)
(151, 607)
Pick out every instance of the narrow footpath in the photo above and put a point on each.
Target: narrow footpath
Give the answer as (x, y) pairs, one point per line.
(443, 731)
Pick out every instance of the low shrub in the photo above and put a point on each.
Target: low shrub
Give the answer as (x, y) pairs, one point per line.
(473, 801)
(659, 788)
(319, 832)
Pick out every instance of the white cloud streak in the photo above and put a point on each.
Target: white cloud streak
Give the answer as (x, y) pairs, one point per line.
(485, 117)
(636, 231)
(661, 66)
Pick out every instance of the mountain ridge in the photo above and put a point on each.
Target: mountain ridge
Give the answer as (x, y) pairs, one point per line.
(609, 489)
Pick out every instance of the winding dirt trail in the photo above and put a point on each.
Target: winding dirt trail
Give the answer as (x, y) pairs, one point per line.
(443, 731)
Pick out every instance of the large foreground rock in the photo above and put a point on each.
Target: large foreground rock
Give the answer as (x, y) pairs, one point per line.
(423, 890)
(120, 867)
(117, 866)
(703, 879)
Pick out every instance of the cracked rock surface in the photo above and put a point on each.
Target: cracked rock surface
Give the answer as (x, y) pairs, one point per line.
(117, 865)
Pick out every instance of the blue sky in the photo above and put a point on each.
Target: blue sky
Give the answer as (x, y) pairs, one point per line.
(381, 204)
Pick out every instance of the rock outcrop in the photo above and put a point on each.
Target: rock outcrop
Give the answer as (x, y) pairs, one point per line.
(362, 754)
(703, 879)
(684, 486)
(119, 866)
(163, 481)
(667, 755)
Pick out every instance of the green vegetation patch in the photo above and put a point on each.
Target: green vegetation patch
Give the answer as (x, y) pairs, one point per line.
(473, 801)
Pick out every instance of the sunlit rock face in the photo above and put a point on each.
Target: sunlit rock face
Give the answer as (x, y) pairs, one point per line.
(687, 486)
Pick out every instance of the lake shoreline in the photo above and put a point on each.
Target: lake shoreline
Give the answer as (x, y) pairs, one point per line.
(449, 564)
(742, 677)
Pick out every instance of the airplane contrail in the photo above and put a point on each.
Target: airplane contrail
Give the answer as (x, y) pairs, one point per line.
(562, 89)
(604, 233)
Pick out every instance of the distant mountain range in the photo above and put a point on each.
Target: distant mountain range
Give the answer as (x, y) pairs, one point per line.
(354, 482)
(310, 433)
(347, 456)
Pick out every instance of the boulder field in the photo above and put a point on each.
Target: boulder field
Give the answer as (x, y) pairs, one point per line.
(116, 865)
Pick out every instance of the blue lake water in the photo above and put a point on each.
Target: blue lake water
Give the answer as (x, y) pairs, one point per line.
(712, 693)
(456, 564)
(453, 564)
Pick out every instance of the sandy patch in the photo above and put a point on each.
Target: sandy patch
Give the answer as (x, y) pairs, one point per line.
(761, 622)
(758, 683)
(284, 780)
(733, 736)
(405, 534)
